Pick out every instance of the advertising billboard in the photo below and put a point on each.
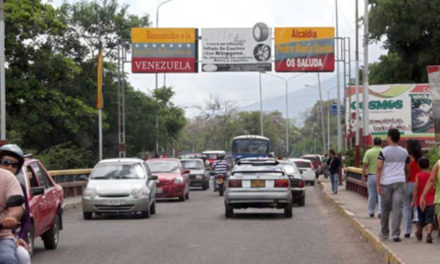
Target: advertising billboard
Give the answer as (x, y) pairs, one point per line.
(406, 107)
(236, 49)
(434, 81)
(164, 50)
(307, 49)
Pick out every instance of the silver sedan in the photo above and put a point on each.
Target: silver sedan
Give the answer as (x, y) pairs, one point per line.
(119, 186)
(258, 183)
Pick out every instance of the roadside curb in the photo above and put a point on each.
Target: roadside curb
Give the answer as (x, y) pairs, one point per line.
(389, 255)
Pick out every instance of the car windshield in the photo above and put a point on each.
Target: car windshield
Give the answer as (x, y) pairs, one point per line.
(302, 164)
(163, 166)
(192, 164)
(117, 171)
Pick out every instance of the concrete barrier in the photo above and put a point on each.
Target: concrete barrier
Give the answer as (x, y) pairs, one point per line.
(72, 181)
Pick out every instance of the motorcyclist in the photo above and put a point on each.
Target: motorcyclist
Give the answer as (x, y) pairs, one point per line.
(220, 167)
(9, 186)
(12, 159)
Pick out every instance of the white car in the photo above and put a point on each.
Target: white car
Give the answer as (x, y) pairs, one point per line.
(258, 183)
(305, 166)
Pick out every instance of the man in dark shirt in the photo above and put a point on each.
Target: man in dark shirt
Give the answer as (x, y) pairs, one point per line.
(333, 166)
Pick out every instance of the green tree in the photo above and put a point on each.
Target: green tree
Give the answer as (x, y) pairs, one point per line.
(412, 37)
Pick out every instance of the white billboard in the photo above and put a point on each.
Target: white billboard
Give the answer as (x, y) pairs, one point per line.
(236, 49)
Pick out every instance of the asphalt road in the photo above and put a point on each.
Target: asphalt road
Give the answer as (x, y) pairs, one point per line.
(196, 231)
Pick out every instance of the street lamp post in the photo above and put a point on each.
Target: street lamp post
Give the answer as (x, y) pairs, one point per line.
(157, 118)
(321, 111)
(286, 84)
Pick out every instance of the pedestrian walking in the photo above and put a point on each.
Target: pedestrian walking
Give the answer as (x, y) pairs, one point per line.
(410, 213)
(369, 170)
(333, 165)
(434, 180)
(427, 214)
(392, 173)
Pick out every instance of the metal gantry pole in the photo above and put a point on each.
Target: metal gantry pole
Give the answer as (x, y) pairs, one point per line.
(365, 75)
(338, 108)
(357, 153)
(287, 118)
(322, 114)
(2, 74)
(261, 106)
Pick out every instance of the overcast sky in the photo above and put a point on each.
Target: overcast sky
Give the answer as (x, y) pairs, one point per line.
(240, 87)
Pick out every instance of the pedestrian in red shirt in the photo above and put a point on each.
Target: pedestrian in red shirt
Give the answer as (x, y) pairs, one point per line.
(426, 217)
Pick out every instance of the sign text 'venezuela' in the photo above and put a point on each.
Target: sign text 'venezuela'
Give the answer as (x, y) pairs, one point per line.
(164, 50)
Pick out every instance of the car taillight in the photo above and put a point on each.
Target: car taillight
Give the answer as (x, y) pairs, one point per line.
(282, 183)
(234, 184)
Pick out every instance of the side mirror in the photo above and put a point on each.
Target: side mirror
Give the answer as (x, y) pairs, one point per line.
(153, 178)
(37, 191)
(186, 171)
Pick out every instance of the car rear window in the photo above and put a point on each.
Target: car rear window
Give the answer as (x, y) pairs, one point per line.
(290, 169)
(302, 164)
(163, 166)
(249, 168)
(192, 164)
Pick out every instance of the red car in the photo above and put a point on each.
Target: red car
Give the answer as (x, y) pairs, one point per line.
(45, 203)
(173, 180)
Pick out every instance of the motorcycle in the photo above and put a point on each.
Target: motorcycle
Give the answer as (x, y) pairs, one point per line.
(220, 182)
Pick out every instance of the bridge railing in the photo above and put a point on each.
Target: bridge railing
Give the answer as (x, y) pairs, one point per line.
(354, 181)
(72, 181)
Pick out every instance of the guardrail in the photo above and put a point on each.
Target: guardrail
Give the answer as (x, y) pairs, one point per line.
(354, 181)
(72, 181)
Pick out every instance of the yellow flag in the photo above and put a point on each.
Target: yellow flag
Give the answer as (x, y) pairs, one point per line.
(99, 74)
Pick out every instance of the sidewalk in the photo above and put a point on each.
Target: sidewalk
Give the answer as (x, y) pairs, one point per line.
(354, 206)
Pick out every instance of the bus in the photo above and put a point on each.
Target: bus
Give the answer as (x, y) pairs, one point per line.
(250, 146)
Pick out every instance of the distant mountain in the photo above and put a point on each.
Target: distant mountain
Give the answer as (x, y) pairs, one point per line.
(299, 101)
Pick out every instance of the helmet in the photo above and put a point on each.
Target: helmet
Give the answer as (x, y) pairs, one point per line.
(14, 151)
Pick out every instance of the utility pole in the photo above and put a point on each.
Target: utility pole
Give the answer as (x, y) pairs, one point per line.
(365, 76)
(2, 75)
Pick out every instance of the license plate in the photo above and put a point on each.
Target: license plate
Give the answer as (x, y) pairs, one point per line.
(258, 183)
(159, 190)
(219, 181)
(113, 202)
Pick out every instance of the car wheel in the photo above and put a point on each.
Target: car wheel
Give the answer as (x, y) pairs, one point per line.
(302, 201)
(229, 211)
(87, 215)
(146, 213)
(51, 236)
(30, 239)
(288, 211)
(153, 208)
(182, 198)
